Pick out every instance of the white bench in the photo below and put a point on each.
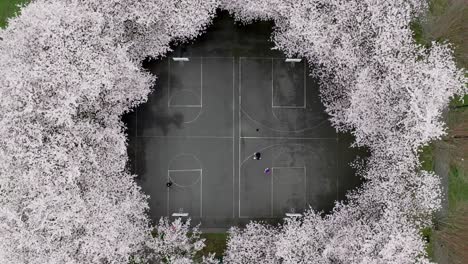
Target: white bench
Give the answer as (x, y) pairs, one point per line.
(293, 60)
(180, 59)
(180, 214)
(293, 215)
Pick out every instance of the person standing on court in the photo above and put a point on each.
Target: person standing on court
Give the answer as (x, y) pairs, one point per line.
(257, 156)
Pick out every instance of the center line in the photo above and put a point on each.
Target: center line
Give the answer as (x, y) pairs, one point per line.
(299, 138)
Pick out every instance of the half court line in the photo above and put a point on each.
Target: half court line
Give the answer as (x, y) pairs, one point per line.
(298, 138)
(207, 137)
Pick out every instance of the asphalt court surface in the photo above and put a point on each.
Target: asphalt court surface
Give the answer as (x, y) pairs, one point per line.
(208, 116)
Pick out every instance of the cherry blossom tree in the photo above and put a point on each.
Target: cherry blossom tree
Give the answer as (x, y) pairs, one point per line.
(147, 27)
(69, 70)
(304, 239)
(389, 92)
(65, 194)
(175, 242)
(253, 244)
(66, 78)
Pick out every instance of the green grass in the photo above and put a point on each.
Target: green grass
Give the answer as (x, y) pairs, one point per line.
(215, 243)
(427, 235)
(8, 9)
(426, 157)
(459, 102)
(445, 21)
(458, 188)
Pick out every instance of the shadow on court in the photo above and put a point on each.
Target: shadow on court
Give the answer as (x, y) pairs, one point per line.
(207, 116)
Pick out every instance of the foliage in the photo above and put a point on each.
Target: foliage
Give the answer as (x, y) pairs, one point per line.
(447, 20)
(174, 242)
(66, 78)
(458, 188)
(9, 9)
(454, 234)
(389, 92)
(70, 69)
(214, 243)
(427, 234)
(65, 196)
(426, 156)
(253, 244)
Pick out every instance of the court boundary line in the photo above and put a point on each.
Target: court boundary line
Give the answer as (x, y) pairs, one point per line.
(135, 155)
(200, 173)
(240, 138)
(230, 137)
(290, 138)
(184, 170)
(240, 134)
(233, 138)
(240, 128)
(338, 161)
(205, 57)
(169, 96)
(304, 168)
(273, 106)
(206, 137)
(193, 106)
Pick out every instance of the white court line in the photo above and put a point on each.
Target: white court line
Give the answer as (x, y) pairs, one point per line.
(271, 191)
(184, 170)
(285, 131)
(207, 137)
(168, 83)
(248, 157)
(305, 86)
(136, 137)
(201, 81)
(305, 186)
(167, 191)
(198, 106)
(169, 96)
(210, 57)
(240, 137)
(287, 107)
(339, 166)
(272, 181)
(233, 138)
(200, 171)
(240, 131)
(265, 58)
(273, 168)
(273, 92)
(298, 138)
(272, 84)
(201, 194)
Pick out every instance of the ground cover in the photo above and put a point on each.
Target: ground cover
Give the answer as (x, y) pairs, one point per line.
(447, 20)
(341, 237)
(8, 9)
(214, 243)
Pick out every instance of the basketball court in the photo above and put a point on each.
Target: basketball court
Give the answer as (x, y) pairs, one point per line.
(205, 120)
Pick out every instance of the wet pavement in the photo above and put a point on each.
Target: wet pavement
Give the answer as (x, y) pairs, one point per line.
(207, 117)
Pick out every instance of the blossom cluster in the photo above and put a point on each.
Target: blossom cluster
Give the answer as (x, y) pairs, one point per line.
(69, 69)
